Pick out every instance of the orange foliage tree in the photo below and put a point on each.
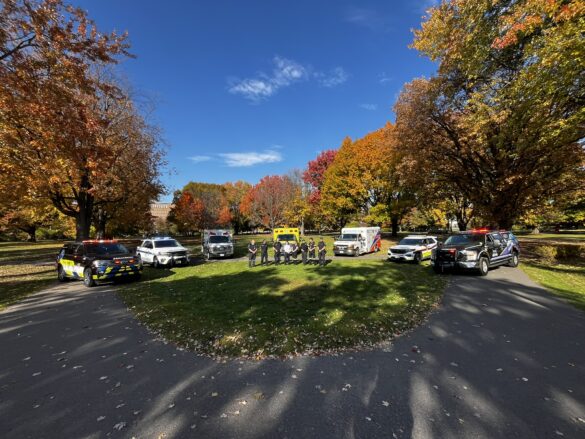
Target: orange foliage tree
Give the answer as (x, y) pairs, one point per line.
(55, 123)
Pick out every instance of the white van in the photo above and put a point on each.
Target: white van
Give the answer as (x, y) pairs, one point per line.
(356, 241)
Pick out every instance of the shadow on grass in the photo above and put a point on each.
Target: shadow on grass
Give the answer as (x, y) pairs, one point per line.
(268, 311)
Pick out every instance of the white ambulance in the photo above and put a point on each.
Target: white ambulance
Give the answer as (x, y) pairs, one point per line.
(217, 243)
(355, 241)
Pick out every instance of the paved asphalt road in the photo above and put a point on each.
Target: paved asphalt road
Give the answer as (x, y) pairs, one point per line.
(501, 358)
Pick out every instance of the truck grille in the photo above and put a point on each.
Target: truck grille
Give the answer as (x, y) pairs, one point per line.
(445, 255)
(398, 251)
(181, 253)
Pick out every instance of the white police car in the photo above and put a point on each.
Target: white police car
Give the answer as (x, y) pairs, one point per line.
(413, 248)
(162, 251)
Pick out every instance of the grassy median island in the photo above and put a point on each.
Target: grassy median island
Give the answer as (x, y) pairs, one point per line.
(226, 309)
(564, 280)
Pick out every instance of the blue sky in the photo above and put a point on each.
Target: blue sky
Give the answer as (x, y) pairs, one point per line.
(245, 89)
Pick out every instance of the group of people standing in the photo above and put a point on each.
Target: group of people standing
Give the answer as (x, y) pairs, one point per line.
(309, 251)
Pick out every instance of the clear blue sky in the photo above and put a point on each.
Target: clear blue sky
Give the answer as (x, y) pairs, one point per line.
(250, 88)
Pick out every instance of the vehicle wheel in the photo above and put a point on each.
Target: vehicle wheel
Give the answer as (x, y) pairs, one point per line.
(417, 258)
(88, 280)
(483, 266)
(207, 256)
(514, 261)
(356, 253)
(137, 277)
(61, 274)
(155, 262)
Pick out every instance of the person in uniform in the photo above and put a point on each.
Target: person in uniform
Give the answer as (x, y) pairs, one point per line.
(252, 249)
(311, 249)
(264, 253)
(294, 250)
(304, 251)
(287, 249)
(277, 248)
(322, 252)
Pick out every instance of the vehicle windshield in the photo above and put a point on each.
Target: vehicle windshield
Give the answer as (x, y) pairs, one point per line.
(104, 248)
(166, 243)
(411, 241)
(349, 237)
(469, 239)
(219, 239)
(288, 237)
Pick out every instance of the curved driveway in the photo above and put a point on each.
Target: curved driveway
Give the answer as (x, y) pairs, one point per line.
(501, 358)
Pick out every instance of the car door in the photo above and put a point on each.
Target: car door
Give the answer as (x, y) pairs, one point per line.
(501, 244)
(78, 260)
(148, 251)
(140, 250)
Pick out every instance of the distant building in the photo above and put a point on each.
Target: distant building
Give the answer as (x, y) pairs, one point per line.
(160, 211)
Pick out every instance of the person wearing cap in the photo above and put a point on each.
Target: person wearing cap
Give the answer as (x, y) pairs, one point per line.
(304, 251)
(252, 249)
(322, 252)
(264, 253)
(277, 250)
(311, 249)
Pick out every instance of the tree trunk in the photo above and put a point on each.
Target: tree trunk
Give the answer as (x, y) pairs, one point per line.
(32, 234)
(462, 224)
(85, 210)
(100, 225)
(504, 223)
(82, 224)
(394, 220)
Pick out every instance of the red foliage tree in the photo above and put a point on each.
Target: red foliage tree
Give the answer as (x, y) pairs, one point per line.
(315, 173)
(267, 201)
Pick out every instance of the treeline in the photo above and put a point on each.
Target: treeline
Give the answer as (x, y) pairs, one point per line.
(75, 148)
(494, 138)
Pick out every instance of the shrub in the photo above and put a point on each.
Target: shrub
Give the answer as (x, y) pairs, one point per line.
(546, 253)
(570, 251)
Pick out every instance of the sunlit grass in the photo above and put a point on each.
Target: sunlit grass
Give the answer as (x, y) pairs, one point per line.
(226, 309)
(564, 280)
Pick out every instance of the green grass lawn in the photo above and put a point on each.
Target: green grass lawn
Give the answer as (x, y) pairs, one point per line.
(20, 280)
(564, 280)
(554, 237)
(20, 272)
(226, 309)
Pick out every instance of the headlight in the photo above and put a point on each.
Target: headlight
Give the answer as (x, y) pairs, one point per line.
(470, 255)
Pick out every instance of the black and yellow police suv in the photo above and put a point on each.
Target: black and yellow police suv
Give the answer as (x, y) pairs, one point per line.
(97, 260)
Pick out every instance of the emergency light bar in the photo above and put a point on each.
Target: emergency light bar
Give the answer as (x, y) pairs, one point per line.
(98, 241)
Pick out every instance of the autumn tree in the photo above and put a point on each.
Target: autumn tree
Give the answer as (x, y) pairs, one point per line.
(187, 212)
(26, 215)
(231, 212)
(313, 177)
(212, 198)
(503, 119)
(267, 201)
(54, 129)
(363, 182)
